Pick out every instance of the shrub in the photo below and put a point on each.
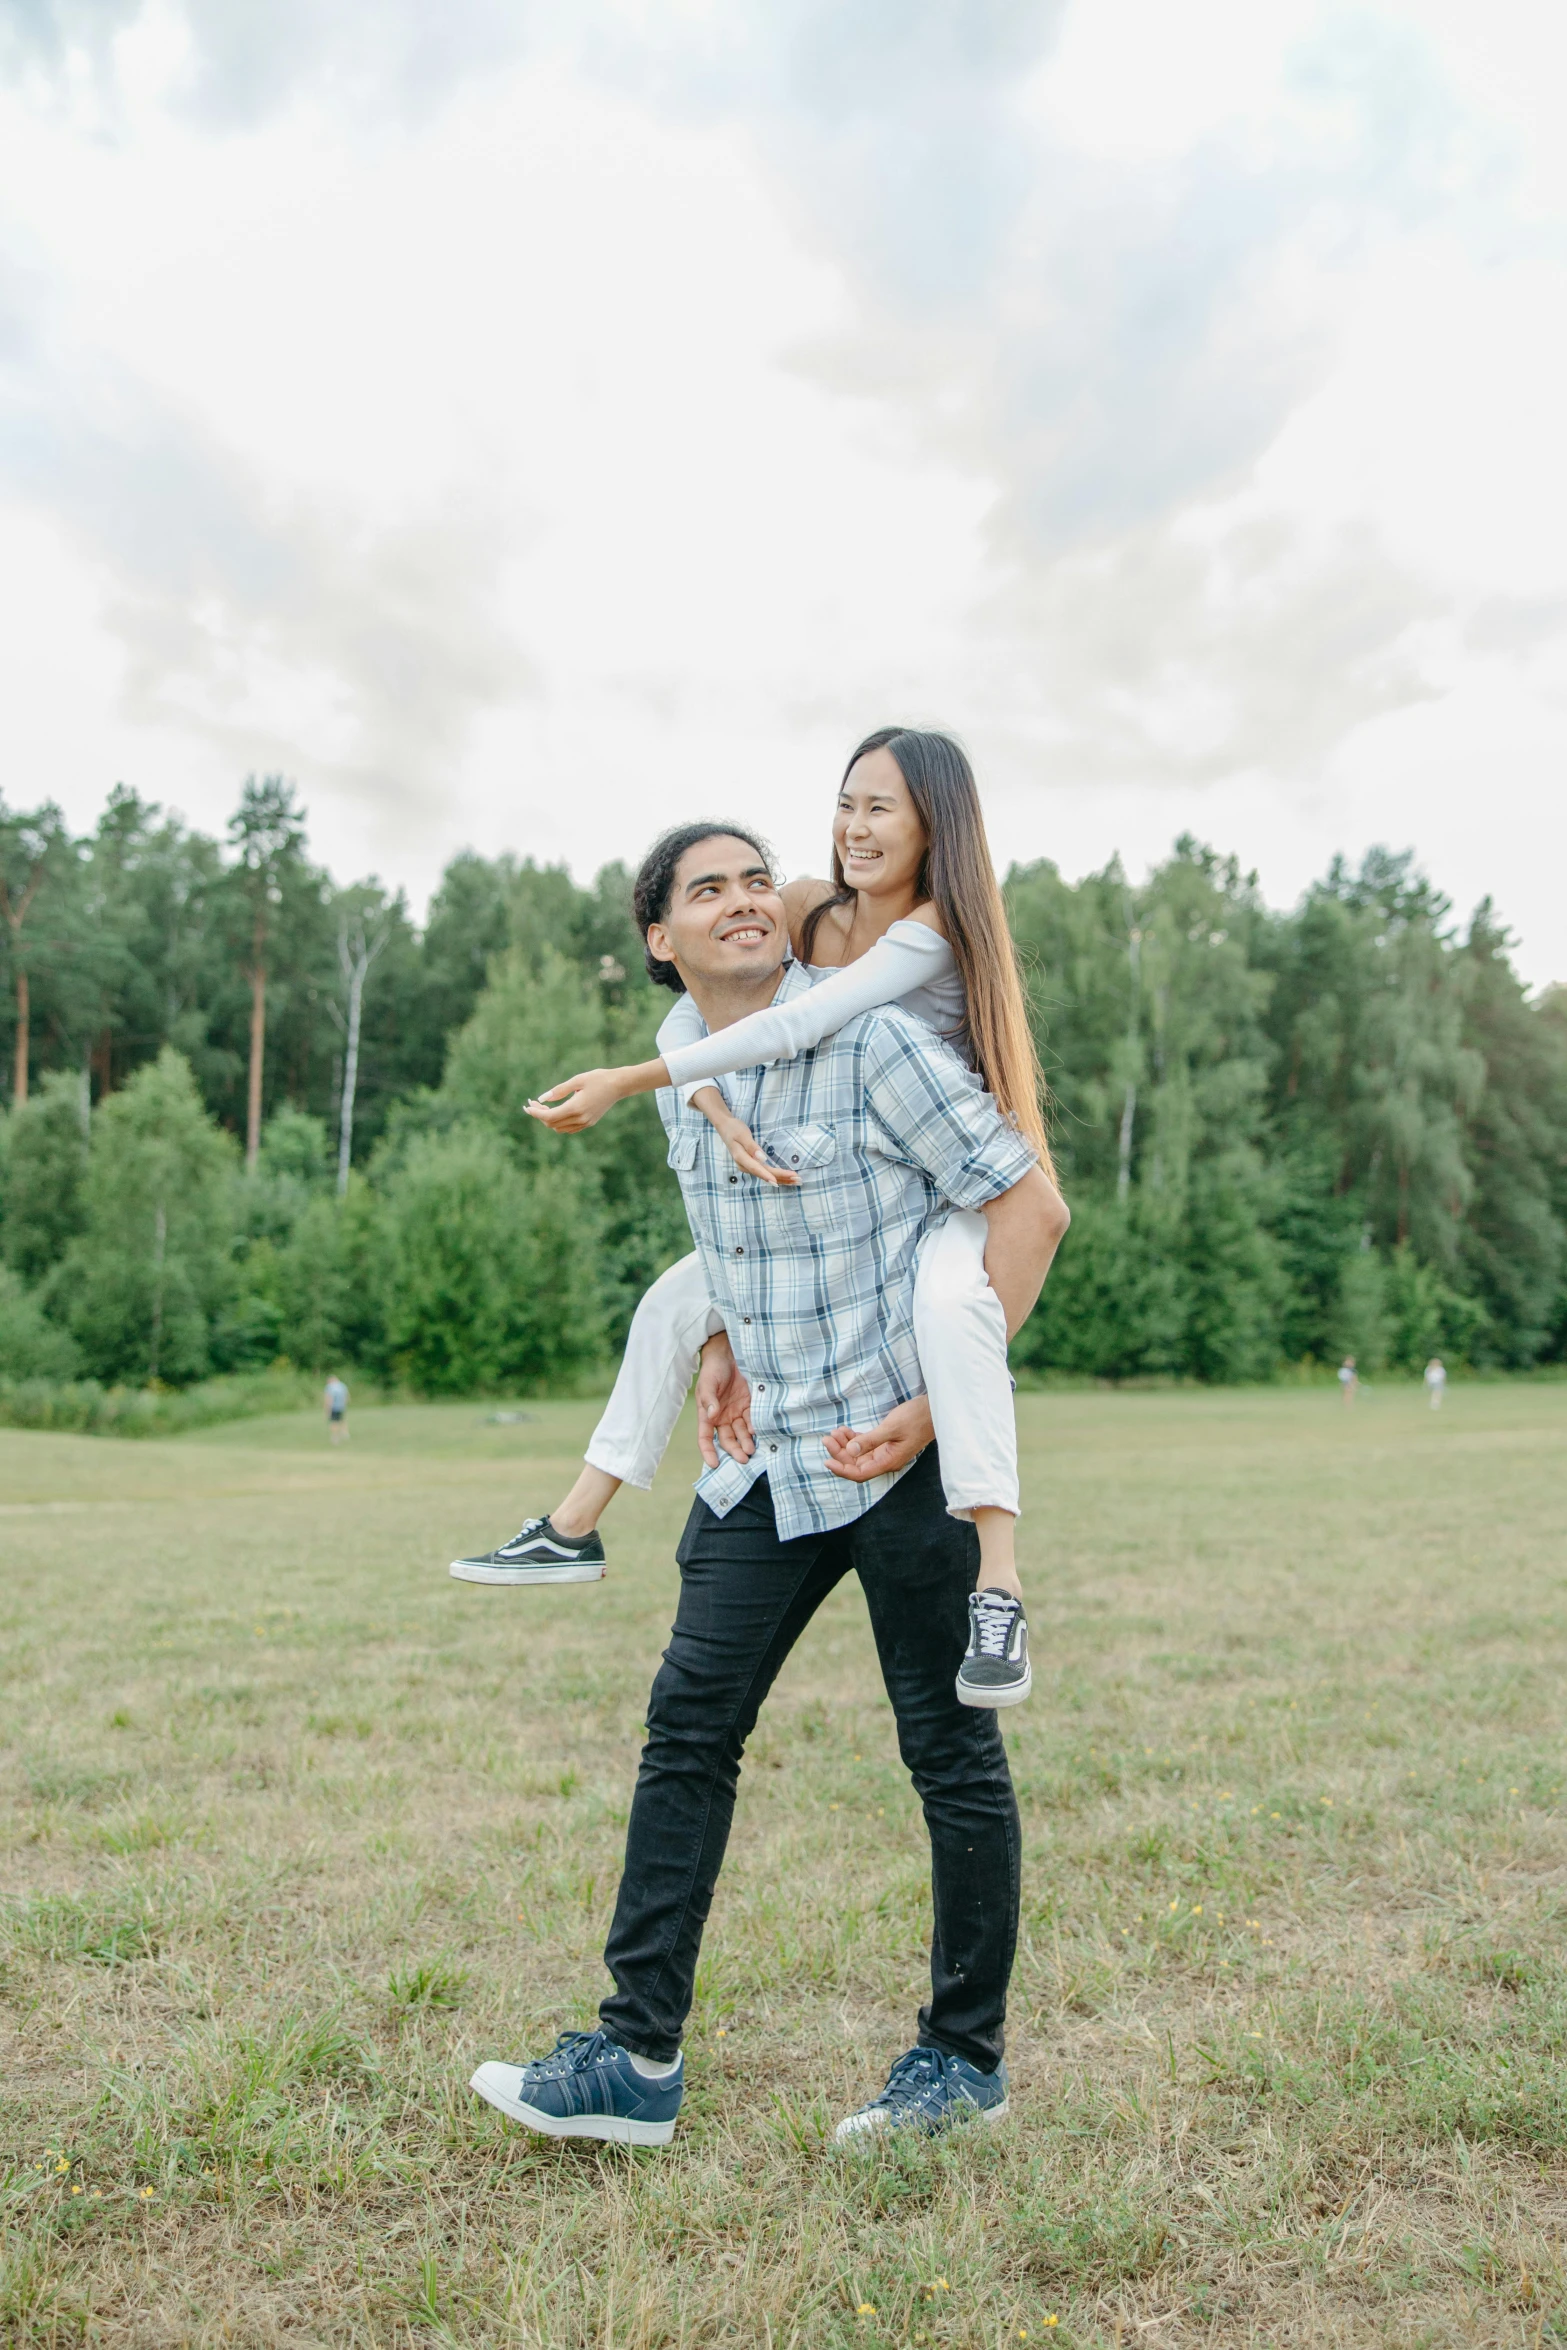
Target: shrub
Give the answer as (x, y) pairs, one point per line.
(490, 1275)
(144, 1283)
(45, 1167)
(84, 1408)
(31, 1346)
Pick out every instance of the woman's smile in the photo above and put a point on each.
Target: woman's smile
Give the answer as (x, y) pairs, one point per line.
(878, 835)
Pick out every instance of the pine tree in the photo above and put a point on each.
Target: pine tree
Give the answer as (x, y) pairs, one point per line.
(267, 833)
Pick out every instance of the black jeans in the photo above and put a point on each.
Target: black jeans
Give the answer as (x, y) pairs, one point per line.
(745, 1599)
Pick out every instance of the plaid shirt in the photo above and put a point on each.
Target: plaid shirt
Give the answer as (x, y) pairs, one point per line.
(884, 1126)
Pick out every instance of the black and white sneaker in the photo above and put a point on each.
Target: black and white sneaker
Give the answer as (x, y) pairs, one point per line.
(536, 1554)
(996, 1670)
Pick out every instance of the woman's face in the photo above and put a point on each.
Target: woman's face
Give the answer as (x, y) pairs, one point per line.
(879, 837)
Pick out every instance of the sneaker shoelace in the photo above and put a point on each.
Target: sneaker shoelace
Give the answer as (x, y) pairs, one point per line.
(915, 2080)
(993, 1620)
(525, 1533)
(573, 2052)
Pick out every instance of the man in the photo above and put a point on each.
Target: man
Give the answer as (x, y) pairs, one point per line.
(881, 1124)
(334, 1402)
(1436, 1381)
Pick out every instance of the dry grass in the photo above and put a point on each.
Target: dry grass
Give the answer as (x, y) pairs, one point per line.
(294, 1830)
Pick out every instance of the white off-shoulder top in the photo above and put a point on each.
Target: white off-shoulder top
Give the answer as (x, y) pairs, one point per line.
(911, 965)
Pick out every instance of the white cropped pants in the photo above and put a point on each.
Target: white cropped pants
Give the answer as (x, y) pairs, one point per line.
(959, 1328)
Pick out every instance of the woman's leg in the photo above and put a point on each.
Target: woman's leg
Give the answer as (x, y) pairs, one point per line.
(663, 1347)
(961, 1332)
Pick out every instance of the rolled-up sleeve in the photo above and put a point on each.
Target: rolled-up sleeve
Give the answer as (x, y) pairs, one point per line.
(934, 1114)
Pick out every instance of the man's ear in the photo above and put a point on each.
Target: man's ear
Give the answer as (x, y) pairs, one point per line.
(658, 943)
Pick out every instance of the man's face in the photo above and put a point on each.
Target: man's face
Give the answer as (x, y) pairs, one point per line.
(725, 920)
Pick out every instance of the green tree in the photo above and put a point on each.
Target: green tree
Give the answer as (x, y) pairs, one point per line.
(43, 1171)
(1151, 1012)
(267, 833)
(363, 933)
(146, 1282)
(490, 1276)
(541, 1018)
(31, 1345)
(36, 855)
(1368, 1018)
(1512, 1247)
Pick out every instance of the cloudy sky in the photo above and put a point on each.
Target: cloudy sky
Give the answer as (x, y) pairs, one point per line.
(525, 422)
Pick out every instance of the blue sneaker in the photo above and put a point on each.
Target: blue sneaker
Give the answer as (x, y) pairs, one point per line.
(587, 2087)
(930, 2091)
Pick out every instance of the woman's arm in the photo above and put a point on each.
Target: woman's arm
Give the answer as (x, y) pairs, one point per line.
(579, 1102)
(911, 955)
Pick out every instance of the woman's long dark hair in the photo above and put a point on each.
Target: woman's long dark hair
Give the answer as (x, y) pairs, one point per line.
(957, 877)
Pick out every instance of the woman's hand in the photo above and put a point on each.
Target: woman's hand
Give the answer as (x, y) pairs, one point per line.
(723, 1404)
(737, 1138)
(581, 1101)
(745, 1151)
(578, 1103)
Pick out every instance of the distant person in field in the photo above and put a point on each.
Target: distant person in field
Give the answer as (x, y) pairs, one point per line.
(1436, 1381)
(817, 1293)
(1348, 1379)
(334, 1402)
(912, 915)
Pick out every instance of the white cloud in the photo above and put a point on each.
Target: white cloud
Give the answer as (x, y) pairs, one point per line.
(526, 424)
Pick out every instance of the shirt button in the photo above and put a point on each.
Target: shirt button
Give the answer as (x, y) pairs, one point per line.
(734, 1178)
(739, 1252)
(761, 1387)
(746, 1319)
(772, 1448)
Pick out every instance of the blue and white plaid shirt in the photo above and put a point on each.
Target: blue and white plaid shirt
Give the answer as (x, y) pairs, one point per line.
(884, 1126)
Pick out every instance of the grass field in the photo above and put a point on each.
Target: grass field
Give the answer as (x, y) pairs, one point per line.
(294, 1830)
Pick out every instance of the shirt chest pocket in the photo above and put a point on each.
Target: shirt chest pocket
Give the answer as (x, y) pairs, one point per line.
(830, 1187)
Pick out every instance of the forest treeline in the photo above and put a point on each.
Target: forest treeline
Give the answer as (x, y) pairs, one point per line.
(254, 1115)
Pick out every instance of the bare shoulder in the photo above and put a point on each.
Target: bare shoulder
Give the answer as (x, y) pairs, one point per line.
(800, 899)
(930, 915)
(804, 892)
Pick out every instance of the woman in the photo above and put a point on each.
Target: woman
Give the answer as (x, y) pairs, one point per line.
(912, 915)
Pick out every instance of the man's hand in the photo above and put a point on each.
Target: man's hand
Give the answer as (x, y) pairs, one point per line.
(723, 1404)
(891, 1444)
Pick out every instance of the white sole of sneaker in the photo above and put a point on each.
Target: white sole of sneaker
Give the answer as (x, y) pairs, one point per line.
(569, 1571)
(854, 2132)
(578, 2125)
(990, 1700)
